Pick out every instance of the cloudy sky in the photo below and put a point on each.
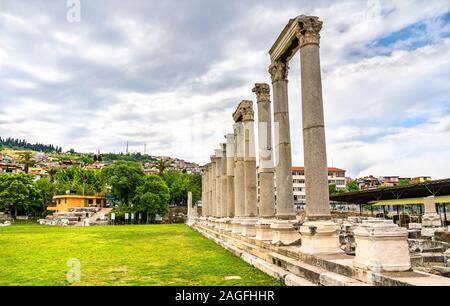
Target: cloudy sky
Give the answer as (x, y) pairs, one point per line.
(170, 73)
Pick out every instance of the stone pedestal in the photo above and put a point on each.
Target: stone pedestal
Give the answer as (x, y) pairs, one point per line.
(249, 227)
(236, 225)
(430, 220)
(381, 246)
(320, 237)
(263, 230)
(284, 232)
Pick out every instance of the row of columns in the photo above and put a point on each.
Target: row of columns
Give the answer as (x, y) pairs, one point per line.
(230, 193)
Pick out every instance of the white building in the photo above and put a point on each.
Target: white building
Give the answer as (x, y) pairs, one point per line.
(336, 176)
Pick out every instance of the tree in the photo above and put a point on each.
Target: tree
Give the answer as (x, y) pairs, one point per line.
(52, 173)
(72, 179)
(332, 188)
(124, 177)
(46, 190)
(18, 194)
(162, 165)
(152, 197)
(352, 186)
(404, 182)
(180, 183)
(26, 160)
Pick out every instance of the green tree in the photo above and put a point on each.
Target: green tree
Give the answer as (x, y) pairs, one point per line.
(18, 194)
(162, 165)
(26, 160)
(52, 174)
(333, 189)
(72, 179)
(152, 197)
(180, 183)
(124, 177)
(352, 186)
(404, 182)
(46, 190)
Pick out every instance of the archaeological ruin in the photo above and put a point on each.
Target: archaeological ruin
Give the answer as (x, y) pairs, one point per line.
(266, 232)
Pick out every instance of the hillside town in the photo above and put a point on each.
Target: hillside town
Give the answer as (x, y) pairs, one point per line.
(39, 163)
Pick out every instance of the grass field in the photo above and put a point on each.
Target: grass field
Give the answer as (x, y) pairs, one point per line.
(163, 255)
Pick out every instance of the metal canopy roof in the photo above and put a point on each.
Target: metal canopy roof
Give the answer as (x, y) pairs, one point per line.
(410, 201)
(436, 188)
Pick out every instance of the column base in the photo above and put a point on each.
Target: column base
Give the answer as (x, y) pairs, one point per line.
(249, 226)
(284, 233)
(263, 230)
(236, 226)
(381, 246)
(320, 237)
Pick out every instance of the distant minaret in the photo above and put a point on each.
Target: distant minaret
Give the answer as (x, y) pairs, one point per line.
(127, 147)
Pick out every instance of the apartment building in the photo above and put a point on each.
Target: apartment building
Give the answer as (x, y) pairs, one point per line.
(336, 176)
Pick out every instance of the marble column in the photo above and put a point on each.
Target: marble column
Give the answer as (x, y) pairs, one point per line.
(283, 165)
(319, 233)
(251, 210)
(204, 194)
(239, 187)
(230, 181)
(213, 205)
(266, 168)
(205, 208)
(284, 232)
(190, 214)
(218, 172)
(431, 219)
(210, 198)
(223, 186)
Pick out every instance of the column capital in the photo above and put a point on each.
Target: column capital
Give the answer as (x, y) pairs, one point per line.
(279, 71)
(262, 91)
(244, 112)
(308, 30)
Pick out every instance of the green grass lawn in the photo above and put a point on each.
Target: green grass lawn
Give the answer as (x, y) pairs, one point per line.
(165, 255)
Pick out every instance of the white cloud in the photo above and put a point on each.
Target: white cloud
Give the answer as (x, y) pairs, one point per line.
(138, 73)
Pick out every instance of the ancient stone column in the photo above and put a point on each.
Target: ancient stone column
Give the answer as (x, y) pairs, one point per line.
(204, 191)
(230, 181)
(223, 186)
(239, 185)
(316, 171)
(319, 234)
(284, 232)
(190, 213)
(210, 198)
(251, 210)
(213, 205)
(283, 165)
(218, 172)
(266, 169)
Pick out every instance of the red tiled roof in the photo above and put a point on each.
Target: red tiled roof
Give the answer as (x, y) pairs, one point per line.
(331, 169)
